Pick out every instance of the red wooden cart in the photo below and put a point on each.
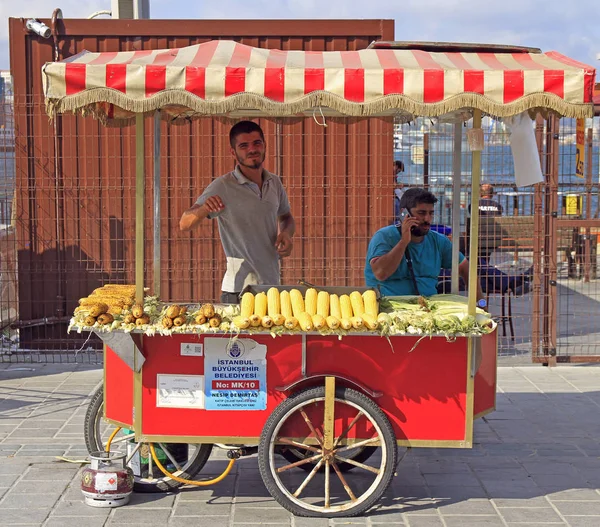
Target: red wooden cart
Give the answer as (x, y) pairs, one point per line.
(335, 408)
(257, 391)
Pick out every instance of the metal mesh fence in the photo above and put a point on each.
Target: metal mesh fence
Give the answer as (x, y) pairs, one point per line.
(67, 208)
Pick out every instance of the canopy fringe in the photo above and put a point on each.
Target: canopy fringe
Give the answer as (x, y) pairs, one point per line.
(180, 104)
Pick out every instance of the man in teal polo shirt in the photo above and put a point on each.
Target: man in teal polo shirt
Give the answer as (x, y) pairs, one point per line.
(253, 213)
(393, 250)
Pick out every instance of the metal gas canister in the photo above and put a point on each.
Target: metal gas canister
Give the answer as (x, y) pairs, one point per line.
(107, 482)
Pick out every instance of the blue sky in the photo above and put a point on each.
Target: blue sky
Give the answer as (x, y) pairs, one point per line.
(570, 27)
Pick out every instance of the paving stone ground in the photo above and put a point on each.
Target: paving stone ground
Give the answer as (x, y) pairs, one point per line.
(535, 462)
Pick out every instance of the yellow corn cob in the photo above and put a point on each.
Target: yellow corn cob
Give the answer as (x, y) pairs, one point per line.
(357, 322)
(334, 306)
(273, 302)
(260, 304)
(358, 308)
(241, 322)
(285, 303)
(266, 321)
(318, 321)
(323, 304)
(254, 320)
(305, 321)
(369, 320)
(370, 303)
(291, 322)
(346, 323)
(278, 319)
(297, 302)
(310, 301)
(346, 307)
(247, 305)
(332, 322)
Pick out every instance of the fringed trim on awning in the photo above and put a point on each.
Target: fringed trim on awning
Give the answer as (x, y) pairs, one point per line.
(386, 105)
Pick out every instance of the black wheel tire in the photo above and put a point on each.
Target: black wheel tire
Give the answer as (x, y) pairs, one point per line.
(267, 449)
(293, 455)
(93, 442)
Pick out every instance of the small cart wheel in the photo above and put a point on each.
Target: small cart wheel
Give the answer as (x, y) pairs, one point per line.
(299, 422)
(181, 459)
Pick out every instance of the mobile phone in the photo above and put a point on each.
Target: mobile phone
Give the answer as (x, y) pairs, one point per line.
(405, 214)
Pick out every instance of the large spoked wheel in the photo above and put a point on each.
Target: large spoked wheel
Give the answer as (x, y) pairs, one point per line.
(180, 459)
(298, 422)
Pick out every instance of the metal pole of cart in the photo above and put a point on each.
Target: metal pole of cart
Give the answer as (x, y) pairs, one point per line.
(456, 181)
(139, 208)
(156, 223)
(473, 234)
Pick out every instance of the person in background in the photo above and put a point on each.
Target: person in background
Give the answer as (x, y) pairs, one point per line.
(406, 258)
(399, 190)
(492, 278)
(487, 205)
(253, 213)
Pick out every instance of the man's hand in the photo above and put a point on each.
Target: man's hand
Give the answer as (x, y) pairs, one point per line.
(213, 204)
(197, 213)
(284, 244)
(408, 223)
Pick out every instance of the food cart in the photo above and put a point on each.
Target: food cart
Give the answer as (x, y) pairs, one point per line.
(324, 410)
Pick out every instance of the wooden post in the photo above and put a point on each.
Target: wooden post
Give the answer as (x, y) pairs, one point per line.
(139, 208)
(329, 413)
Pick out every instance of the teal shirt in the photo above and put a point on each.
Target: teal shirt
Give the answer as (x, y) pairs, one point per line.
(428, 257)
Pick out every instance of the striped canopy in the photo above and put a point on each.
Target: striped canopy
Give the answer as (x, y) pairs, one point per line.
(227, 78)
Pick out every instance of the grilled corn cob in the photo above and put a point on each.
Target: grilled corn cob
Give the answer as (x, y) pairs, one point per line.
(241, 322)
(357, 322)
(346, 307)
(260, 304)
(247, 305)
(297, 302)
(305, 321)
(346, 323)
(310, 301)
(291, 322)
(332, 322)
(358, 307)
(286, 304)
(369, 321)
(318, 321)
(273, 307)
(278, 319)
(323, 304)
(334, 306)
(370, 302)
(266, 321)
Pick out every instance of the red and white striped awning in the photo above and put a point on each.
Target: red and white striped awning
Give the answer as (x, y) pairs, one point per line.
(227, 78)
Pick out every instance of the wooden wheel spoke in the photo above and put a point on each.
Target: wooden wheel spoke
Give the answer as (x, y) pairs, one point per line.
(308, 478)
(301, 462)
(343, 480)
(359, 444)
(297, 444)
(327, 483)
(348, 428)
(351, 461)
(311, 427)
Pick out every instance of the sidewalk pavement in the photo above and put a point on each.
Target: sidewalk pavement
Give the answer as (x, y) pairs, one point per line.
(536, 462)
